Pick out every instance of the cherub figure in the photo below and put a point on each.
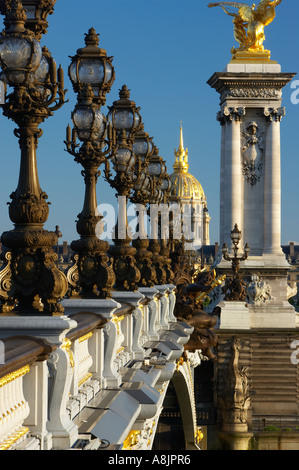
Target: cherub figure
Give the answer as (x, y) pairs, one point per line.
(249, 22)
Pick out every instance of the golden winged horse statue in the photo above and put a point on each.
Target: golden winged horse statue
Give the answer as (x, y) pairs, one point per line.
(249, 22)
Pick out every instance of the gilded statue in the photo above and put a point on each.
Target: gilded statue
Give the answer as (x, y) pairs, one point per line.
(249, 23)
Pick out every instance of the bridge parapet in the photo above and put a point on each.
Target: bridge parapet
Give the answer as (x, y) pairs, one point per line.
(109, 363)
(22, 380)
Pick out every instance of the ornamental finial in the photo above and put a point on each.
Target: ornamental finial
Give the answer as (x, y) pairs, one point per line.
(181, 155)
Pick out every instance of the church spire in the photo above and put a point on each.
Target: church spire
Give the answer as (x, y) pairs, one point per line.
(181, 156)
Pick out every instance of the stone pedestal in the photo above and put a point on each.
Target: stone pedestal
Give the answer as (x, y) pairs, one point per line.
(105, 307)
(234, 315)
(267, 303)
(235, 440)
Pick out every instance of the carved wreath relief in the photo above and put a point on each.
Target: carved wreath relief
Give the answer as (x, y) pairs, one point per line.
(252, 149)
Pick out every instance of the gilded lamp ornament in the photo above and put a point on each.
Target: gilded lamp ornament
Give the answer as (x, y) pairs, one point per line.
(29, 278)
(91, 274)
(249, 27)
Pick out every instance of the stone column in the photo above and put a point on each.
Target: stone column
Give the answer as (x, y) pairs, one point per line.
(231, 180)
(272, 208)
(222, 174)
(206, 228)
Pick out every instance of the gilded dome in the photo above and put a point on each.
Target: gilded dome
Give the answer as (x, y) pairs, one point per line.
(184, 186)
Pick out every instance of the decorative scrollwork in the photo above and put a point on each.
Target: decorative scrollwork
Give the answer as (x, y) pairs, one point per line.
(252, 152)
(73, 277)
(7, 285)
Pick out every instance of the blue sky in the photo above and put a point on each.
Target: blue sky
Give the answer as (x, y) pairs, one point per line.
(164, 51)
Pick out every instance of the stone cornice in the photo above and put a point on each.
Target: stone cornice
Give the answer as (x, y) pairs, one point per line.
(249, 86)
(220, 79)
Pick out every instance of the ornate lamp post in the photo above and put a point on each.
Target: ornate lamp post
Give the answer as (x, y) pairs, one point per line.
(92, 274)
(29, 276)
(125, 119)
(166, 236)
(235, 289)
(91, 66)
(157, 171)
(143, 149)
(37, 12)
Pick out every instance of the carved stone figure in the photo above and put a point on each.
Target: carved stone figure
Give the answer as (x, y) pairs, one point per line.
(234, 396)
(252, 153)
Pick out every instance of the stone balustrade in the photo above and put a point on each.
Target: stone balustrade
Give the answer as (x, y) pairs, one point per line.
(22, 389)
(99, 373)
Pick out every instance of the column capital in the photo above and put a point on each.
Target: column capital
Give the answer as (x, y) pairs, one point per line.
(274, 114)
(229, 114)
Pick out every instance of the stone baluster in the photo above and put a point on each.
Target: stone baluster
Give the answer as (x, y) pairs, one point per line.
(111, 344)
(83, 362)
(152, 311)
(163, 301)
(137, 318)
(172, 301)
(153, 307)
(61, 367)
(96, 348)
(132, 323)
(36, 388)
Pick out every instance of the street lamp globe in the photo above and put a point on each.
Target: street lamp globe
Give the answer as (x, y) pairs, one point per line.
(45, 77)
(20, 53)
(37, 12)
(91, 66)
(236, 235)
(123, 115)
(143, 146)
(89, 122)
(157, 167)
(165, 184)
(143, 182)
(124, 160)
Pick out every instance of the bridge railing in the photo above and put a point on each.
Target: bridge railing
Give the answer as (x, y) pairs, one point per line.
(22, 377)
(54, 380)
